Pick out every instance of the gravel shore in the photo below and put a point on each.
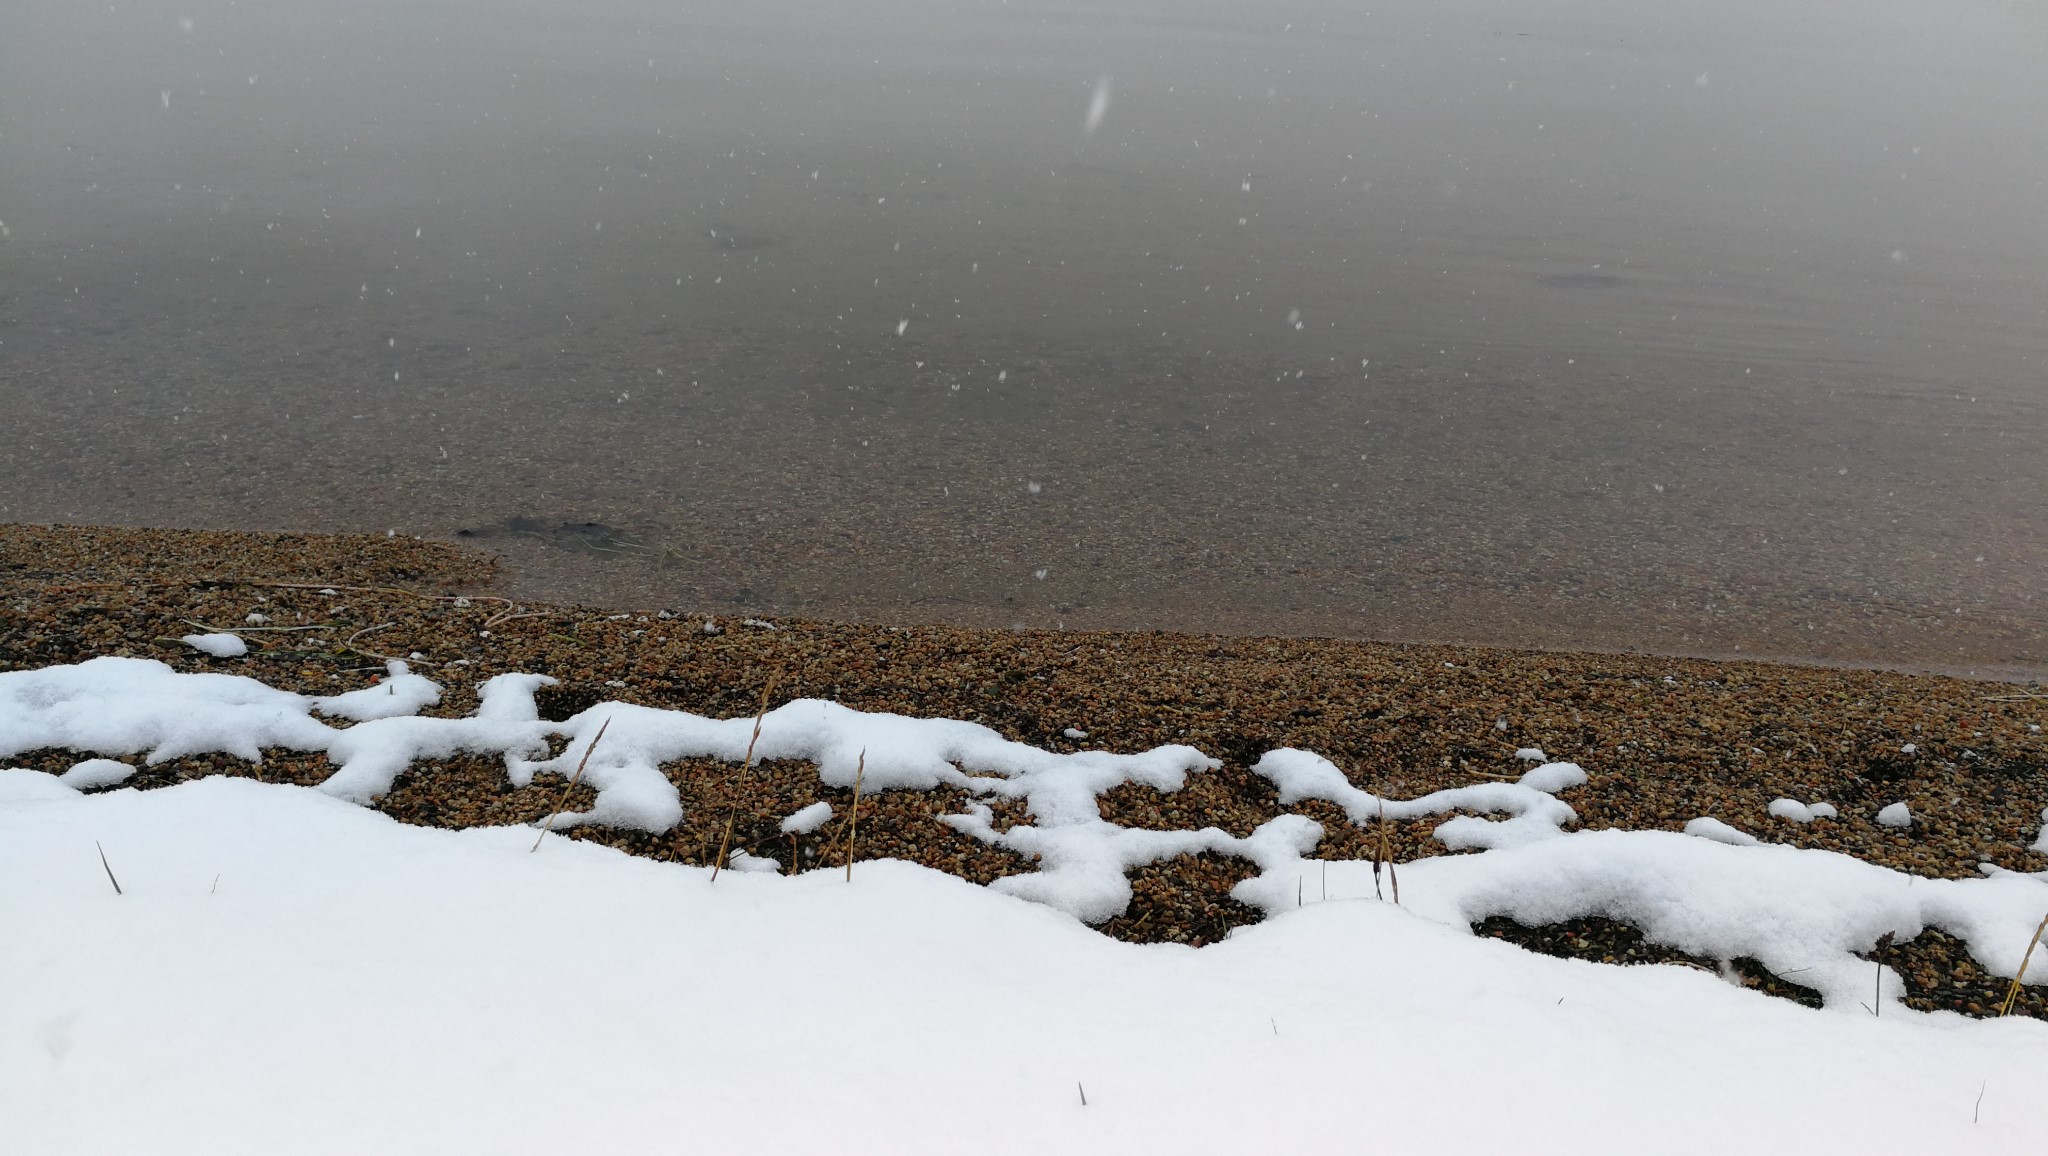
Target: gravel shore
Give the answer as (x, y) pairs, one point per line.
(1665, 740)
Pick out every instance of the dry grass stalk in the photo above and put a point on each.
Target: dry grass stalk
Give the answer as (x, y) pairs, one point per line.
(1384, 853)
(746, 765)
(1884, 946)
(573, 780)
(110, 870)
(860, 771)
(2013, 992)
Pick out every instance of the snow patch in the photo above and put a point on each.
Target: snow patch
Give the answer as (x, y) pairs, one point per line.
(96, 773)
(1714, 829)
(18, 785)
(807, 820)
(1533, 813)
(218, 645)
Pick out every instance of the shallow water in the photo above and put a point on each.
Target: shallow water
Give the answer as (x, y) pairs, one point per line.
(1696, 327)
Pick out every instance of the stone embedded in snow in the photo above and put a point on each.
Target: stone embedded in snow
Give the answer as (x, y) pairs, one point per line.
(96, 773)
(1707, 828)
(218, 645)
(1896, 815)
(807, 820)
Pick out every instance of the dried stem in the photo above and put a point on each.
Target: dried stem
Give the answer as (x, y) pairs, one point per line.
(733, 815)
(2013, 992)
(860, 771)
(109, 870)
(573, 779)
(1385, 853)
(1884, 945)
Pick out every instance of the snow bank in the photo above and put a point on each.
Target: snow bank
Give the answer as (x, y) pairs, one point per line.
(288, 973)
(1803, 914)
(24, 786)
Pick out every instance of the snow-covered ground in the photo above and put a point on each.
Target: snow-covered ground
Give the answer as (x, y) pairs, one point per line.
(286, 971)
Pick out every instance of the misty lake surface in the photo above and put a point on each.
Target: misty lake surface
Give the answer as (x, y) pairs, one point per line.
(1694, 327)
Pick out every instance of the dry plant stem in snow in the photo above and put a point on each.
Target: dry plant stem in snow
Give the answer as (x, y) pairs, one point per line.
(1884, 945)
(118, 891)
(860, 771)
(1385, 854)
(573, 779)
(2012, 993)
(747, 765)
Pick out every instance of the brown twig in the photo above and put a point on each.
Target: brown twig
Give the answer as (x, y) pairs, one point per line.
(573, 780)
(1884, 945)
(853, 812)
(1385, 853)
(733, 815)
(351, 589)
(2013, 992)
(109, 869)
(250, 629)
(1491, 775)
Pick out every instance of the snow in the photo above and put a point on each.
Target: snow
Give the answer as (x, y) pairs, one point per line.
(753, 864)
(218, 645)
(1896, 815)
(1795, 811)
(1714, 829)
(1532, 755)
(2041, 839)
(289, 973)
(1791, 810)
(93, 773)
(1534, 814)
(806, 820)
(401, 693)
(25, 786)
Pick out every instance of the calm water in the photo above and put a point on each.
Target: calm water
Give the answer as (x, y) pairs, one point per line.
(1693, 326)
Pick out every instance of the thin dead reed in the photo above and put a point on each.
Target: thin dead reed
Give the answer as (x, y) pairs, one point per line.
(860, 771)
(2012, 993)
(747, 765)
(581, 763)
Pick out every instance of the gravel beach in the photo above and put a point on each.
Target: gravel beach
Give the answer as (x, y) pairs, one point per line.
(1665, 740)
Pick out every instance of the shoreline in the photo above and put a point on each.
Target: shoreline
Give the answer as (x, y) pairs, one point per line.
(481, 566)
(1665, 740)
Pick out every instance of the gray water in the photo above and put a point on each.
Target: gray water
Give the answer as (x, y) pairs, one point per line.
(1691, 327)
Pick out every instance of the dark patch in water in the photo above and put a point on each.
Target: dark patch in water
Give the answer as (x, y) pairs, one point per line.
(577, 537)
